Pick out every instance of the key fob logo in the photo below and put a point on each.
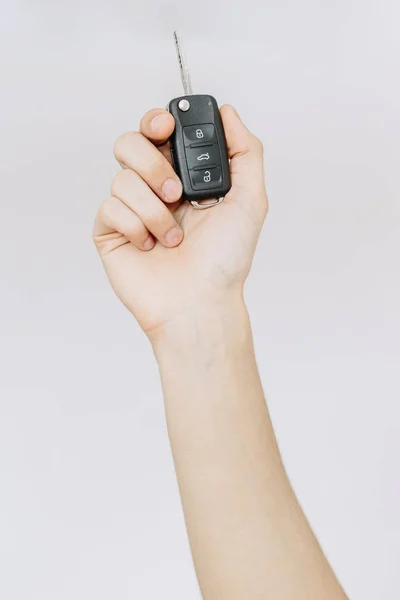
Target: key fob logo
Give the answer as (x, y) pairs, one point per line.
(199, 133)
(205, 156)
(207, 176)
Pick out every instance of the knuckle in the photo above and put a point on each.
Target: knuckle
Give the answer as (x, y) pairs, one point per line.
(120, 181)
(105, 216)
(125, 141)
(159, 218)
(257, 144)
(159, 163)
(95, 236)
(135, 232)
(105, 211)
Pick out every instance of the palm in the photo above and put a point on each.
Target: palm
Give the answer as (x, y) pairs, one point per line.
(216, 251)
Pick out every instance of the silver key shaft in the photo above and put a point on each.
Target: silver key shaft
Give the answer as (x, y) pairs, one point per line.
(185, 76)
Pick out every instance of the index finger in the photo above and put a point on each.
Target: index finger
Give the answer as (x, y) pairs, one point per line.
(157, 125)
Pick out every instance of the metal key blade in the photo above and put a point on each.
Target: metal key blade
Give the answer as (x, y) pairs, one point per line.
(187, 85)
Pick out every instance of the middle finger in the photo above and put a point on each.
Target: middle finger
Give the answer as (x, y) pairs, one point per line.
(136, 152)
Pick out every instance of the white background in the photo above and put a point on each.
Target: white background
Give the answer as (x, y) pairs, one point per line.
(89, 506)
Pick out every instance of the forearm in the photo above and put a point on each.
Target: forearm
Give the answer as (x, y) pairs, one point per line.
(248, 535)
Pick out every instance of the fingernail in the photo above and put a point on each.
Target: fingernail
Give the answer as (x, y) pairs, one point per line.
(172, 189)
(174, 236)
(158, 123)
(149, 243)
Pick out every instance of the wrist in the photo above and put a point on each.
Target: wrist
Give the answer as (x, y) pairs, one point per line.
(210, 322)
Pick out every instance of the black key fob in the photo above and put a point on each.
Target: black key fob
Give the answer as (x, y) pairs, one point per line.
(198, 149)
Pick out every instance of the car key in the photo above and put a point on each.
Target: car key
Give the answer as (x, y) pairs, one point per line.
(198, 145)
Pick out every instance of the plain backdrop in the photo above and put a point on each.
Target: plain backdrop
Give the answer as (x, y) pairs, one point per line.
(89, 506)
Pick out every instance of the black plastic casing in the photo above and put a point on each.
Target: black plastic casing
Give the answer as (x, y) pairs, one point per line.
(203, 111)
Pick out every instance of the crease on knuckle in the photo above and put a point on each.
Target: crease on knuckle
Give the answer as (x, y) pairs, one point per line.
(159, 220)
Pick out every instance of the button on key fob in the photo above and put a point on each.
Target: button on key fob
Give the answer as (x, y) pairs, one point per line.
(198, 145)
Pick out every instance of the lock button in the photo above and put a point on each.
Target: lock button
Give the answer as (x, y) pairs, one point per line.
(203, 179)
(193, 134)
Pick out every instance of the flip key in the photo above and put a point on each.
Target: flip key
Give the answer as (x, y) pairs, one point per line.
(198, 145)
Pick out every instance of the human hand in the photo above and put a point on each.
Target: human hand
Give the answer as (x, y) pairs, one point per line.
(163, 257)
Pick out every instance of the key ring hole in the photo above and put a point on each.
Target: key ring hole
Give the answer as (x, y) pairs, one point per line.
(203, 204)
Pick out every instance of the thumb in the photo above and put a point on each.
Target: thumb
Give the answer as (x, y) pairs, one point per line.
(245, 151)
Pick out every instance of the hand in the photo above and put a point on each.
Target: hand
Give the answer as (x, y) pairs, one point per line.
(163, 257)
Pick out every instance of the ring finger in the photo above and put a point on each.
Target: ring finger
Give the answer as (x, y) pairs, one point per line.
(129, 187)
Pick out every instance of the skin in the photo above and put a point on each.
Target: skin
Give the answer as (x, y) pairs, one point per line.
(181, 273)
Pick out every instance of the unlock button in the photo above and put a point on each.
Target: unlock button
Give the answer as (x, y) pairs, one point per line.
(203, 179)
